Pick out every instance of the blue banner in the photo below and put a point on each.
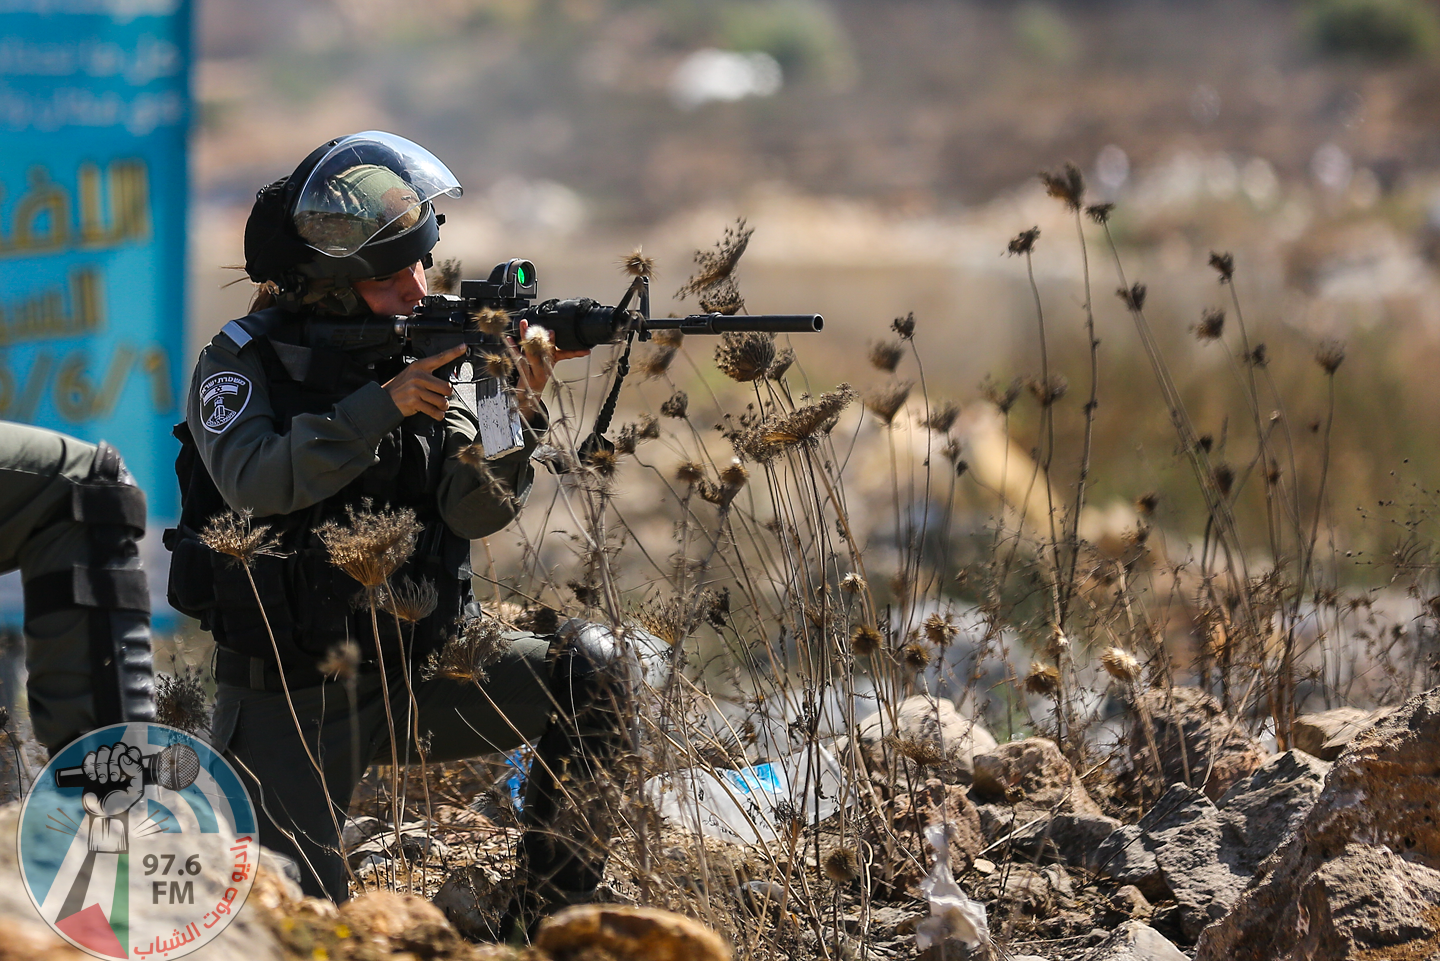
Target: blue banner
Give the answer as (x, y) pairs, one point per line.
(94, 110)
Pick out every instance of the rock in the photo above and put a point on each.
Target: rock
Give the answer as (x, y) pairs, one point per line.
(932, 721)
(1032, 774)
(1130, 902)
(902, 825)
(1124, 857)
(1264, 809)
(634, 934)
(1135, 941)
(1198, 743)
(1361, 874)
(400, 922)
(1200, 855)
(1326, 734)
(358, 830)
(1197, 866)
(1073, 838)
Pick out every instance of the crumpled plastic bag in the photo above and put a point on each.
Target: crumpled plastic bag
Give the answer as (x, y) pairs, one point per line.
(953, 916)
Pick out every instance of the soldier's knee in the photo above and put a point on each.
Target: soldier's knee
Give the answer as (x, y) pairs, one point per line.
(594, 662)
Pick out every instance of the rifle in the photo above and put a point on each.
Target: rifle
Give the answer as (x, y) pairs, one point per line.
(444, 321)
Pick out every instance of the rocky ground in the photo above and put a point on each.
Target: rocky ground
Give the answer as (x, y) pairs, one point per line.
(1204, 847)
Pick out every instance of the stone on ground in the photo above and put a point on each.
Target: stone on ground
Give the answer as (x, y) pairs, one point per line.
(931, 721)
(1327, 734)
(634, 934)
(1198, 743)
(1361, 875)
(1135, 941)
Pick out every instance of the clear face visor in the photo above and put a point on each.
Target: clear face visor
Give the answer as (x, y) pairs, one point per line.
(369, 186)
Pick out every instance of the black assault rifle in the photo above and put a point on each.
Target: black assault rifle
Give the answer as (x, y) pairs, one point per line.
(444, 321)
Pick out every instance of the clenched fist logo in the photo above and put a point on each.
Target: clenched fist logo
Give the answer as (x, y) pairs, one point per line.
(116, 784)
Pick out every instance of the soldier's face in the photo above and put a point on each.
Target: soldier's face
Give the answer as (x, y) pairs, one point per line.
(397, 294)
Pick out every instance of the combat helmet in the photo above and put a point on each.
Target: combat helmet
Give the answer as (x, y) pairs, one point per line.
(357, 207)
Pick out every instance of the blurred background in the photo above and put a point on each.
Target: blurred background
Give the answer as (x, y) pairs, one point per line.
(885, 153)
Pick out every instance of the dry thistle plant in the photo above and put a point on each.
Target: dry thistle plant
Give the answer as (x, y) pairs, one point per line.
(886, 401)
(234, 535)
(716, 266)
(445, 276)
(479, 643)
(372, 544)
(181, 702)
(490, 320)
(341, 661)
(886, 355)
(637, 264)
(745, 356)
(411, 601)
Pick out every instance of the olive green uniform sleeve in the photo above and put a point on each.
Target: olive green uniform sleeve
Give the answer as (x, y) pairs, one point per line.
(267, 473)
(478, 501)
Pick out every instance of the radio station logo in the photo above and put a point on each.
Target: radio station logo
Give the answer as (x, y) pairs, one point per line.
(138, 841)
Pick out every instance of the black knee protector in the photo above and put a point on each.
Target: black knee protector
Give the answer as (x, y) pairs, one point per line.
(592, 667)
(111, 588)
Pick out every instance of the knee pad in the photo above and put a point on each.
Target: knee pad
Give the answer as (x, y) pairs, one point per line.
(593, 662)
(109, 585)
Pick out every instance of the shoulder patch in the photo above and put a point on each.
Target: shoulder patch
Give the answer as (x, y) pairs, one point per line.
(223, 398)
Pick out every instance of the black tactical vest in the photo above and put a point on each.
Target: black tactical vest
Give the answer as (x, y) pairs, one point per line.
(311, 605)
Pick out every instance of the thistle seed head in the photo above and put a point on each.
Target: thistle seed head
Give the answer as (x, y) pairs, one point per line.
(637, 264)
(499, 365)
(1067, 185)
(852, 583)
(1002, 398)
(716, 266)
(602, 463)
(1043, 680)
(409, 600)
(1258, 357)
(734, 475)
(940, 631)
(676, 405)
(1212, 324)
(943, 417)
(865, 641)
(538, 347)
(1120, 664)
(1224, 476)
(1330, 355)
(1024, 242)
(1047, 391)
(342, 660)
(233, 534)
(915, 656)
(745, 356)
(490, 320)
(667, 338)
(180, 701)
(886, 355)
(479, 643)
(1100, 213)
(885, 402)
(904, 326)
(655, 361)
(842, 865)
(1224, 265)
(690, 472)
(372, 544)
(1146, 503)
(1133, 297)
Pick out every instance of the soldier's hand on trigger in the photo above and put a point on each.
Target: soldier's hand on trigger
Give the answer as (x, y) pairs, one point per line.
(416, 389)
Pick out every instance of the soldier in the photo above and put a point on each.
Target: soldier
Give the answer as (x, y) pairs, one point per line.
(70, 520)
(285, 425)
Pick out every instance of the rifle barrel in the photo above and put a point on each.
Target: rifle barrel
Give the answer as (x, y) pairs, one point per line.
(725, 323)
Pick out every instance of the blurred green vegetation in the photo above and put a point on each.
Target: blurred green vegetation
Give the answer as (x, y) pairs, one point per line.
(1380, 30)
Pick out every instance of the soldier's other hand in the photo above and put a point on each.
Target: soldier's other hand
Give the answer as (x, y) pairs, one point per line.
(115, 773)
(416, 389)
